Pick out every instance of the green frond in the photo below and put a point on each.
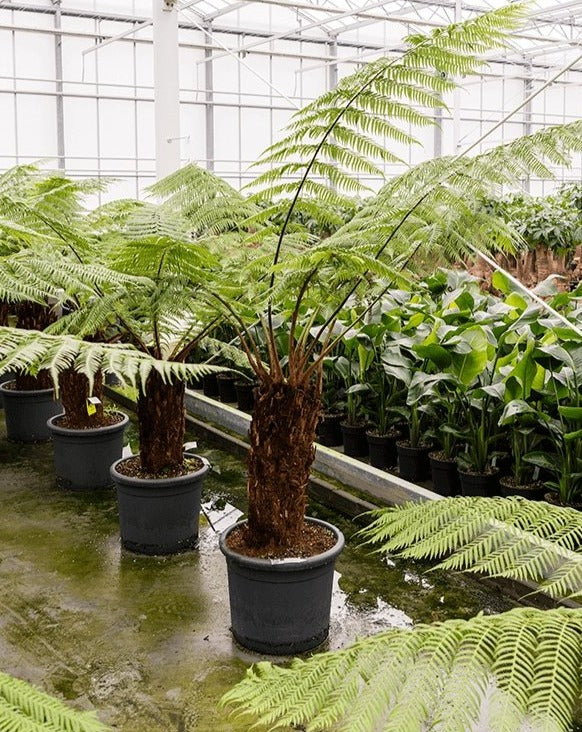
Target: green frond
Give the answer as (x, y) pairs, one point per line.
(504, 537)
(500, 671)
(30, 351)
(24, 708)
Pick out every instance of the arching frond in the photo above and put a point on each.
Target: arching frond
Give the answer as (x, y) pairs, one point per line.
(24, 708)
(29, 350)
(379, 101)
(498, 671)
(500, 537)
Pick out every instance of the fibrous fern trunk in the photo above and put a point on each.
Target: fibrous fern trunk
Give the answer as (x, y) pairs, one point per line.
(282, 434)
(74, 392)
(33, 316)
(162, 424)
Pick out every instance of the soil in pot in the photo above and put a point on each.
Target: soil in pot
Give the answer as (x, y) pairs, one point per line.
(479, 484)
(329, 431)
(84, 455)
(413, 463)
(282, 606)
(445, 474)
(245, 395)
(226, 388)
(159, 514)
(354, 439)
(510, 487)
(382, 448)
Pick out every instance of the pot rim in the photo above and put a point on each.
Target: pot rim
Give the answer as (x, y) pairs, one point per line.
(494, 472)
(89, 431)
(289, 564)
(448, 461)
(23, 392)
(159, 482)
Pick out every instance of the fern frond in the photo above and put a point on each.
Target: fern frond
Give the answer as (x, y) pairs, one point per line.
(498, 670)
(24, 708)
(30, 351)
(507, 537)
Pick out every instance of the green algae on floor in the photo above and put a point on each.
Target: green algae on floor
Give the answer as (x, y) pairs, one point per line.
(145, 640)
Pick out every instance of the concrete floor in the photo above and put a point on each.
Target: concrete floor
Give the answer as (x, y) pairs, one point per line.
(144, 640)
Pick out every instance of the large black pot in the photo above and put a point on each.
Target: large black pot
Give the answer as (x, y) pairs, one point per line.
(533, 491)
(226, 388)
(159, 515)
(329, 431)
(445, 475)
(480, 484)
(245, 395)
(210, 385)
(354, 439)
(27, 413)
(281, 607)
(83, 457)
(3, 379)
(413, 462)
(382, 449)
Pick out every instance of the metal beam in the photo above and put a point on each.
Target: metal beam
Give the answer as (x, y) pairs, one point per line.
(293, 31)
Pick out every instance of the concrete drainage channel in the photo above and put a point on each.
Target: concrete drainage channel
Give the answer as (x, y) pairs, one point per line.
(228, 427)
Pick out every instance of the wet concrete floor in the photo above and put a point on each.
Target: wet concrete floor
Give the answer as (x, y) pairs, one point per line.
(145, 640)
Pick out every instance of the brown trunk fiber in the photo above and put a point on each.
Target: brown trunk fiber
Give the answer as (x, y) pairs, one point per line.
(32, 316)
(4, 312)
(282, 434)
(162, 424)
(74, 392)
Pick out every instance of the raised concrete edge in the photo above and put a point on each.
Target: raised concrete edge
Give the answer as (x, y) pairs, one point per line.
(379, 484)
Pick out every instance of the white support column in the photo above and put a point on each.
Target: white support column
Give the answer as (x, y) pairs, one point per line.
(166, 87)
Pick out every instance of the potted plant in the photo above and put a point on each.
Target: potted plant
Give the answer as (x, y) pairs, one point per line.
(333, 405)
(387, 402)
(269, 611)
(353, 368)
(523, 420)
(563, 459)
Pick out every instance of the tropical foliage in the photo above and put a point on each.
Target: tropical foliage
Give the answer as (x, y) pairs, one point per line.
(501, 671)
(24, 708)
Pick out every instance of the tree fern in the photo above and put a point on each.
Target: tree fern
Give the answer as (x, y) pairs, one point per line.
(501, 670)
(24, 708)
(336, 136)
(503, 537)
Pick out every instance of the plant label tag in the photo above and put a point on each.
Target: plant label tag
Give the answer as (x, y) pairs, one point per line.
(92, 404)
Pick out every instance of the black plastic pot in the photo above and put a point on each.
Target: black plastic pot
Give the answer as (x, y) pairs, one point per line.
(382, 449)
(280, 607)
(159, 515)
(83, 457)
(354, 439)
(480, 484)
(413, 462)
(3, 379)
(210, 385)
(226, 388)
(27, 413)
(445, 475)
(534, 491)
(245, 395)
(329, 431)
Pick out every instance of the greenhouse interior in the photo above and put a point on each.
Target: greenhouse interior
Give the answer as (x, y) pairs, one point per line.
(291, 351)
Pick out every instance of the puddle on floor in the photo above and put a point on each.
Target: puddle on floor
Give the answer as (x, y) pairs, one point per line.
(145, 640)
